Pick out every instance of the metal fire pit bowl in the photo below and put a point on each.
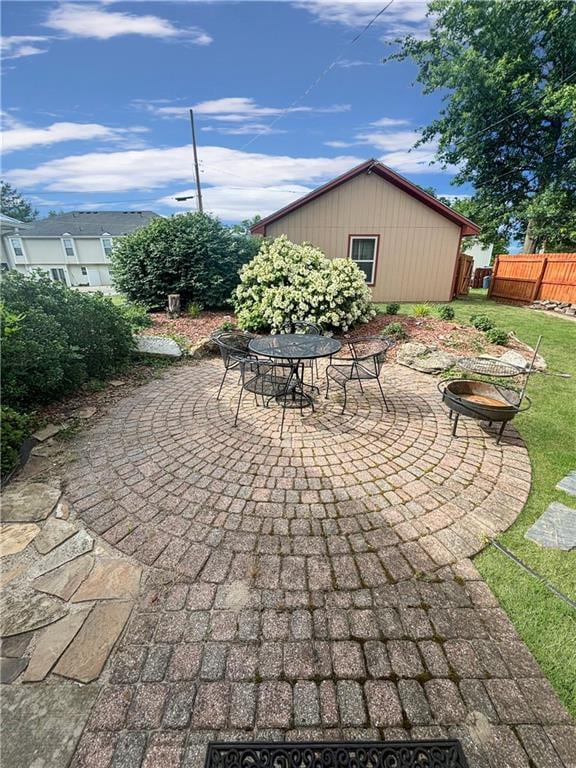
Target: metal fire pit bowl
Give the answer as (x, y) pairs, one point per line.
(483, 401)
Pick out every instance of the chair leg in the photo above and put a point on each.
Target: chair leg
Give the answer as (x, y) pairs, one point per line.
(221, 384)
(327, 386)
(282, 422)
(345, 396)
(238, 407)
(382, 393)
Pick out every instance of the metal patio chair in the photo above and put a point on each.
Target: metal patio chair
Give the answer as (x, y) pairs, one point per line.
(368, 354)
(309, 329)
(271, 379)
(233, 346)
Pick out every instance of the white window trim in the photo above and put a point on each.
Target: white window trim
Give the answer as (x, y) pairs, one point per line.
(106, 237)
(376, 239)
(13, 252)
(74, 251)
(63, 267)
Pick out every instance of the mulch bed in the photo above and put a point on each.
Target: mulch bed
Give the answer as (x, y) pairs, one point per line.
(192, 328)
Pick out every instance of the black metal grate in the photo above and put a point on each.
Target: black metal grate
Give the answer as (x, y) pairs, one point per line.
(487, 366)
(373, 754)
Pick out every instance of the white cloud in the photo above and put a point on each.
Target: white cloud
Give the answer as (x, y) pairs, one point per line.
(386, 122)
(18, 46)
(401, 18)
(232, 109)
(247, 129)
(88, 20)
(19, 136)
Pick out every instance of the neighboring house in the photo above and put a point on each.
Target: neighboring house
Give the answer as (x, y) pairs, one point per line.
(405, 241)
(481, 254)
(9, 228)
(73, 248)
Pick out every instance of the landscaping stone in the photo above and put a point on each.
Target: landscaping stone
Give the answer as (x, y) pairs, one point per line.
(556, 528)
(28, 502)
(203, 348)
(116, 383)
(11, 668)
(85, 657)
(66, 579)
(44, 723)
(51, 643)
(84, 413)
(16, 537)
(47, 432)
(24, 612)
(568, 483)
(110, 580)
(78, 545)
(54, 533)
(14, 647)
(515, 359)
(62, 511)
(423, 358)
(158, 346)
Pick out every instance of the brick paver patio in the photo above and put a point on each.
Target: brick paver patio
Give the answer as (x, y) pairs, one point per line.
(317, 586)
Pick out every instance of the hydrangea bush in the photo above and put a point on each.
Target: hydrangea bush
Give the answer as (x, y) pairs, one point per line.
(287, 282)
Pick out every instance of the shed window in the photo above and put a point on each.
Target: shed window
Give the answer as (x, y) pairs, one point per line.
(363, 252)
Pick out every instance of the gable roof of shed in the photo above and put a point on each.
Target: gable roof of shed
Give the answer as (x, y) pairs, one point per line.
(372, 166)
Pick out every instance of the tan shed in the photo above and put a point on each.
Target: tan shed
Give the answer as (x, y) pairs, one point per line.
(406, 242)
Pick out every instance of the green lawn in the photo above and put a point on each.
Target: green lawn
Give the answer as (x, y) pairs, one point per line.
(546, 624)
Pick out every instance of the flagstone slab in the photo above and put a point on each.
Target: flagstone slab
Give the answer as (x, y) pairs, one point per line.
(110, 580)
(11, 668)
(85, 657)
(52, 642)
(47, 432)
(7, 576)
(44, 723)
(15, 646)
(14, 537)
(28, 502)
(568, 483)
(556, 528)
(31, 610)
(69, 550)
(84, 413)
(66, 579)
(62, 511)
(54, 533)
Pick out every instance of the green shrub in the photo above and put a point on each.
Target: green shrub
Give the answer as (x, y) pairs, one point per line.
(192, 254)
(136, 315)
(14, 429)
(61, 338)
(482, 322)
(446, 312)
(392, 309)
(394, 329)
(497, 336)
(193, 309)
(421, 310)
(286, 282)
(227, 325)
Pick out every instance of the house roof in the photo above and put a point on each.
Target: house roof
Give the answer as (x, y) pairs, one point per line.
(9, 221)
(91, 223)
(372, 166)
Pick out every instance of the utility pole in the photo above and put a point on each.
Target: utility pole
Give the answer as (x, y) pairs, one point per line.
(198, 191)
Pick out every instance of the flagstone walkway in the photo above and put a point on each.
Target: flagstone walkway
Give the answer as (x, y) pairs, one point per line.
(314, 587)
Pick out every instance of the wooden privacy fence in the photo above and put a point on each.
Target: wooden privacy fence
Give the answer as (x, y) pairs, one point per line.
(528, 277)
(463, 275)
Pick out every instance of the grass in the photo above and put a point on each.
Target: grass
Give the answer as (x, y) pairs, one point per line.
(547, 625)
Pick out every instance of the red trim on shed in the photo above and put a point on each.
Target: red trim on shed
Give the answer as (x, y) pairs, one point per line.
(372, 166)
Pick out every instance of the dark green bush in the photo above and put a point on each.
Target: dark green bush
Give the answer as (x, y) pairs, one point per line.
(482, 322)
(392, 309)
(394, 329)
(60, 339)
(14, 429)
(193, 255)
(445, 312)
(497, 336)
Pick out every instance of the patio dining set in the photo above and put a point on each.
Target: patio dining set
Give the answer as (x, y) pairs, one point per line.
(273, 368)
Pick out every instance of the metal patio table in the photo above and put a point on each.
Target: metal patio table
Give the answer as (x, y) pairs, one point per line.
(295, 348)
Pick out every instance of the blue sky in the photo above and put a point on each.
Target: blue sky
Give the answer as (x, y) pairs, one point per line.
(95, 100)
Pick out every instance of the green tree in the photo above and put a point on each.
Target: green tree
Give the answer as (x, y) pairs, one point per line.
(193, 254)
(507, 75)
(13, 204)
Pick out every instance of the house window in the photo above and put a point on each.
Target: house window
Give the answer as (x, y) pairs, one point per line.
(364, 252)
(107, 246)
(84, 270)
(58, 275)
(68, 245)
(17, 247)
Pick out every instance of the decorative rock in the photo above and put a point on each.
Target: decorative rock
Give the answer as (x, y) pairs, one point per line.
(203, 348)
(110, 580)
(424, 358)
(64, 581)
(568, 483)
(22, 613)
(74, 547)
(47, 432)
(52, 642)
(47, 450)
(116, 383)
(158, 345)
(556, 528)
(86, 656)
(55, 532)
(15, 537)
(84, 413)
(515, 359)
(28, 502)
(11, 668)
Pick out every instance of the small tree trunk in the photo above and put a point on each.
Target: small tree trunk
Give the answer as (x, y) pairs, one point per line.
(529, 241)
(173, 305)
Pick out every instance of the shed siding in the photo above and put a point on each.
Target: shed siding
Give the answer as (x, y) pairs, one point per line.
(418, 247)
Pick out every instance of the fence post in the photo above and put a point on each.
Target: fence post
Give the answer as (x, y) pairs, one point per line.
(493, 278)
(539, 279)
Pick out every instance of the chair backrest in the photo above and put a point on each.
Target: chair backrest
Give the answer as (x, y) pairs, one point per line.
(300, 326)
(370, 352)
(233, 345)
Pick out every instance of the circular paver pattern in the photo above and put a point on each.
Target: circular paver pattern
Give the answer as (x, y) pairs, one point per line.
(342, 501)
